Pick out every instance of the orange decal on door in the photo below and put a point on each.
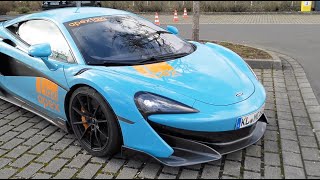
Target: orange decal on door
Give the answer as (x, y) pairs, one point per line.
(47, 93)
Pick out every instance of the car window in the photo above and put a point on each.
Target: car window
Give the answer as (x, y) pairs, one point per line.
(41, 31)
(123, 38)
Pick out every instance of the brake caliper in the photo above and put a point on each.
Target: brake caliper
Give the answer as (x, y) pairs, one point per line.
(83, 118)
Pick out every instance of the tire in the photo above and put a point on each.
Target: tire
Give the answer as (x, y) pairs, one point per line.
(95, 126)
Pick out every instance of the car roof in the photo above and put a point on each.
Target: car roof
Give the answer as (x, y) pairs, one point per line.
(63, 15)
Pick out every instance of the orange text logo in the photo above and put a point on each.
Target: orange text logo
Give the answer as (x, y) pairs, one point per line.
(157, 70)
(47, 93)
(90, 20)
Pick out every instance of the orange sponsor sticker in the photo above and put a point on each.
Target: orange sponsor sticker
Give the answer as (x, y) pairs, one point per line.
(157, 70)
(47, 93)
(86, 21)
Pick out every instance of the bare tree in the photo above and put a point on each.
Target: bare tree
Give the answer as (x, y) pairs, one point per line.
(195, 20)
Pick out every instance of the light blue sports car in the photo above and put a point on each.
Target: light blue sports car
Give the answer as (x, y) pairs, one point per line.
(119, 82)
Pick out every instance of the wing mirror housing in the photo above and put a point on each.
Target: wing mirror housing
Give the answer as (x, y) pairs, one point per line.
(173, 29)
(42, 51)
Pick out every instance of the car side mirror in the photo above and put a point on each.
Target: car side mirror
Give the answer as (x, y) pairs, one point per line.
(42, 51)
(173, 29)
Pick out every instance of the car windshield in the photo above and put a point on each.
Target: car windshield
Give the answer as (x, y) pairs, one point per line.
(124, 39)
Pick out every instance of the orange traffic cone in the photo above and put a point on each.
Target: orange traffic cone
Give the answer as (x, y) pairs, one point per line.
(175, 17)
(156, 19)
(185, 15)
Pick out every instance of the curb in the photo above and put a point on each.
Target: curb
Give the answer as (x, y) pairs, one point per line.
(308, 96)
(274, 63)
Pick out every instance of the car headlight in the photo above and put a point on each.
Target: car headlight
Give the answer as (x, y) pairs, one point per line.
(252, 71)
(149, 103)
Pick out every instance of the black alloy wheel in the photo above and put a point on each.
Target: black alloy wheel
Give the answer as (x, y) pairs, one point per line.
(94, 123)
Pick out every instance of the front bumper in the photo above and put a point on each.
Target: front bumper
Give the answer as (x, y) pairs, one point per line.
(200, 147)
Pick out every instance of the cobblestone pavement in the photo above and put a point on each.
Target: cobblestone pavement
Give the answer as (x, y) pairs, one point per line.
(241, 19)
(32, 148)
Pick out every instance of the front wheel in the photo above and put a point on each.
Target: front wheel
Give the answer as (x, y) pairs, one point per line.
(94, 123)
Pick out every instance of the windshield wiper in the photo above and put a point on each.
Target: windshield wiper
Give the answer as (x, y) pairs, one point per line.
(163, 57)
(123, 63)
(114, 63)
(140, 62)
(163, 32)
(158, 32)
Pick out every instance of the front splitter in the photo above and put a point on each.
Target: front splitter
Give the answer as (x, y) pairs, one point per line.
(254, 137)
(189, 152)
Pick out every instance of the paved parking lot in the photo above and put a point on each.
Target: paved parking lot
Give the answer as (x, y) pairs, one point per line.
(241, 19)
(32, 148)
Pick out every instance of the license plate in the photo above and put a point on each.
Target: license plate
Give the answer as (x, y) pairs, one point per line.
(250, 119)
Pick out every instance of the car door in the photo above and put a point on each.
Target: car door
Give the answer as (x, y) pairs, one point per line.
(30, 78)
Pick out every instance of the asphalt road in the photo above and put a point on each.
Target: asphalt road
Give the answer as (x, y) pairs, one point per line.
(299, 41)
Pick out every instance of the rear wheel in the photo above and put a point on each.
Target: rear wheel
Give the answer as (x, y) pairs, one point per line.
(93, 122)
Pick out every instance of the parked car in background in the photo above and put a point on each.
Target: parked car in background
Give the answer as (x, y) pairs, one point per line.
(62, 4)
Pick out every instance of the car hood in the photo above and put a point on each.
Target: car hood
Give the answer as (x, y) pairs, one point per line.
(204, 75)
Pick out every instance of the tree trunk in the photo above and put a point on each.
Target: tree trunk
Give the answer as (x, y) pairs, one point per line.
(195, 20)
